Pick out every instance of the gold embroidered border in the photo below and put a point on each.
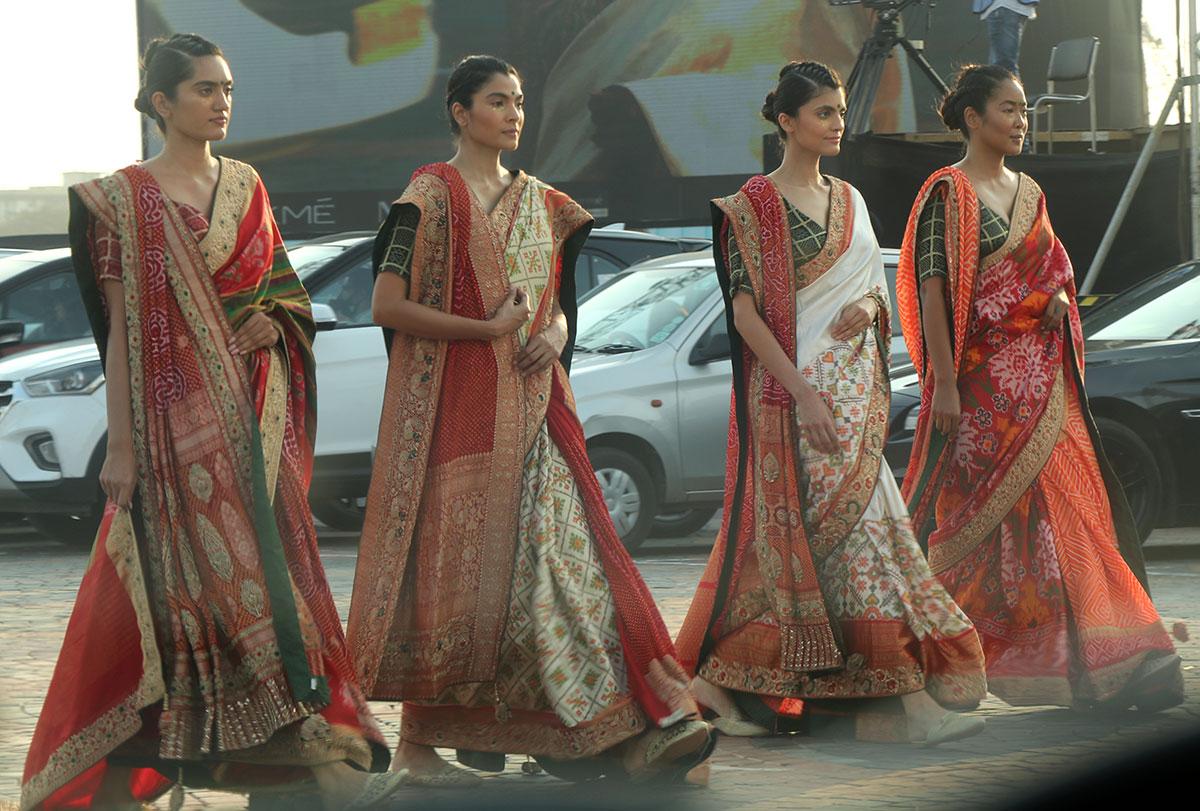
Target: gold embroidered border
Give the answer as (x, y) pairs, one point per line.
(235, 190)
(94, 742)
(864, 682)
(455, 727)
(1025, 469)
(838, 232)
(1024, 212)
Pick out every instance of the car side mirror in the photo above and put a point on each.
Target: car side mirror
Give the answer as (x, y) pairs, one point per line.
(712, 348)
(324, 316)
(11, 332)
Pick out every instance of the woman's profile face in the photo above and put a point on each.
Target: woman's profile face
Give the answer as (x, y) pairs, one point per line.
(202, 104)
(497, 113)
(818, 125)
(1002, 126)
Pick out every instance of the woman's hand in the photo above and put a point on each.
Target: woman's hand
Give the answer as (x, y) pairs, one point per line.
(541, 350)
(946, 408)
(118, 476)
(512, 313)
(258, 332)
(854, 318)
(1056, 308)
(816, 421)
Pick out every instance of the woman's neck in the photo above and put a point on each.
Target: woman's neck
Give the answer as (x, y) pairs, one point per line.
(799, 168)
(186, 155)
(478, 162)
(983, 163)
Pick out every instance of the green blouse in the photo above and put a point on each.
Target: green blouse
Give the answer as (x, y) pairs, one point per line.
(398, 257)
(808, 238)
(931, 237)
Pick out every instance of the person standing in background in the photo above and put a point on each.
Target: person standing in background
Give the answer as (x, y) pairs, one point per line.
(1005, 20)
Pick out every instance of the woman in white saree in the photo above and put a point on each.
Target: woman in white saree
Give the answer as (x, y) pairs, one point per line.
(817, 607)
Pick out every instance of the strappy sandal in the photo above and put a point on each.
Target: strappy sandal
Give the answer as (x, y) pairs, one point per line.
(379, 787)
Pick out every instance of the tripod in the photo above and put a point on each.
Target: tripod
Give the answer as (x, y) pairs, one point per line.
(863, 84)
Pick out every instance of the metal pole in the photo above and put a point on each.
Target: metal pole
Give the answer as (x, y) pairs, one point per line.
(1194, 131)
(1131, 186)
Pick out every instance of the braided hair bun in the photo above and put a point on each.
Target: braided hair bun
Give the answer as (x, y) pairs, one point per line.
(166, 62)
(972, 88)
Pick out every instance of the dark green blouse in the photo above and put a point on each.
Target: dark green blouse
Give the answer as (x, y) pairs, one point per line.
(398, 257)
(931, 237)
(808, 238)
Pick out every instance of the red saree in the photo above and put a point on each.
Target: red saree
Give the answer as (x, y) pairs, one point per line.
(816, 588)
(1025, 524)
(440, 544)
(204, 640)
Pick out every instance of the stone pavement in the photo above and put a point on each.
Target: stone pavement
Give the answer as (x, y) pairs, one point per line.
(1023, 748)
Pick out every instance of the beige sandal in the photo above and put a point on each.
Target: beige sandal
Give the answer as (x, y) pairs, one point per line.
(378, 788)
(446, 777)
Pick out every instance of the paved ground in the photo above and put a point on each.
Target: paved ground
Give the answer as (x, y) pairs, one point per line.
(1021, 750)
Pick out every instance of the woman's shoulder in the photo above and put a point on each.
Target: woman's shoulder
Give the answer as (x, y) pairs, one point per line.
(428, 184)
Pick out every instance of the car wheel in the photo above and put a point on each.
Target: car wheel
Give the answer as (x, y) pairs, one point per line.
(345, 514)
(1137, 469)
(675, 525)
(72, 530)
(628, 493)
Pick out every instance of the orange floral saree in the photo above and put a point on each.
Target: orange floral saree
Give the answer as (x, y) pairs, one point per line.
(492, 594)
(204, 642)
(816, 591)
(1025, 523)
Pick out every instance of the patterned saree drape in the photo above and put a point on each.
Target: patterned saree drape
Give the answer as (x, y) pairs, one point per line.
(204, 625)
(436, 561)
(1025, 522)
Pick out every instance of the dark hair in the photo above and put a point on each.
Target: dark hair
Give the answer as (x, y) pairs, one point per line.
(166, 62)
(470, 74)
(972, 88)
(799, 83)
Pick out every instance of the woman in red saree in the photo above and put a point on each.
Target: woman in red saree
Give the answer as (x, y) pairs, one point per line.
(1025, 524)
(492, 593)
(204, 646)
(817, 604)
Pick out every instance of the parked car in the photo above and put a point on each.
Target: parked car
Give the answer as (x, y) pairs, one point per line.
(39, 301)
(1143, 384)
(657, 440)
(52, 418)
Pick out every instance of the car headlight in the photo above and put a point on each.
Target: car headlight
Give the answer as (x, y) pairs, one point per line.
(82, 378)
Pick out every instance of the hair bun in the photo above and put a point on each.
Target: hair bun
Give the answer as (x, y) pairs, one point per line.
(768, 108)
(141, 103)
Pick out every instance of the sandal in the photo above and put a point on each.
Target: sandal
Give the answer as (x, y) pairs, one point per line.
(379, 787)
(952, 727)
(447, 776)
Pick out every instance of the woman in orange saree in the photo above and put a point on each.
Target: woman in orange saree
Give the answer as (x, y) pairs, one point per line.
(817, 604)
(1025, 524)
(492, 594)
(204, 646)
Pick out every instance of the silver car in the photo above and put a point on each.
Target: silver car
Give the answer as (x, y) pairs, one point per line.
(651, 377)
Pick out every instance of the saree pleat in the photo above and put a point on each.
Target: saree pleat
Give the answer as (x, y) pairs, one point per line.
(896, 629)
(229, 661)
(1025, 524)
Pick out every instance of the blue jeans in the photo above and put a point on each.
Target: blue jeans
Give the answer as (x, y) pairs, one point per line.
(1004, 38)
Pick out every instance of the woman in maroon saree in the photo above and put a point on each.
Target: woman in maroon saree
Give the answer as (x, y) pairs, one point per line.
(204, 647)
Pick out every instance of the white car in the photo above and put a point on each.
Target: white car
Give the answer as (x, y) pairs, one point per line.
(52, 408)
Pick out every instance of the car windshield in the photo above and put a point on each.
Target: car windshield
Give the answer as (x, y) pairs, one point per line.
(307, 258)
(1161, 310)
(641, 309)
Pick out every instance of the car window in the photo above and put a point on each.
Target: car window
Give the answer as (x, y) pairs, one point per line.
(583, 273)
(1173, 314)
(642, 309)
(49, 307)
(716, 330)
(604, 268)
(308, 258)
(349, 294)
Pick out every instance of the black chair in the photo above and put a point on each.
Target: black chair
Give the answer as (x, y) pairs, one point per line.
(1072, 60)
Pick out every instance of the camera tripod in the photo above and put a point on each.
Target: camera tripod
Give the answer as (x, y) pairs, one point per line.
(863, 84)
